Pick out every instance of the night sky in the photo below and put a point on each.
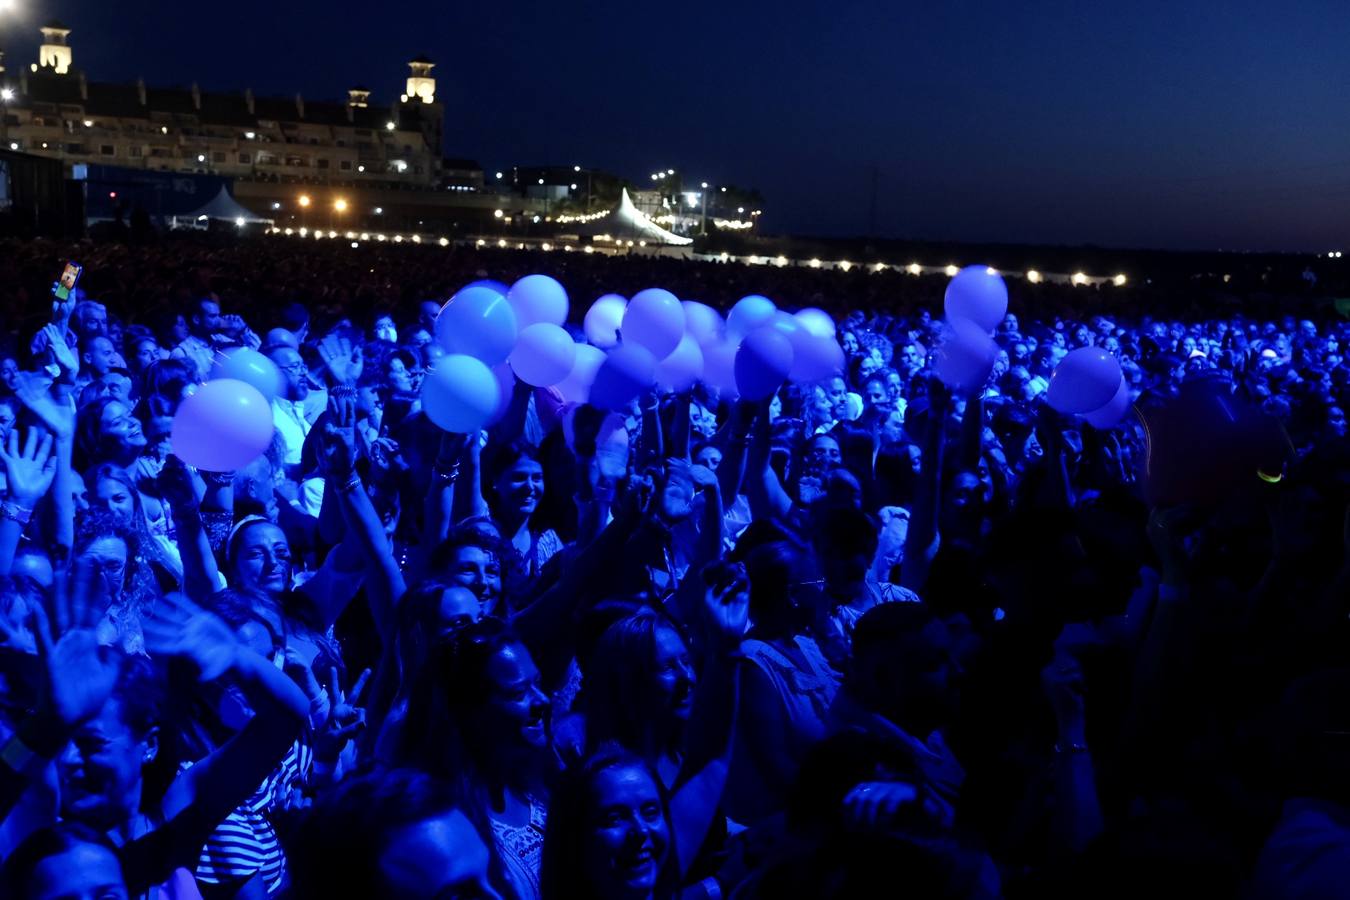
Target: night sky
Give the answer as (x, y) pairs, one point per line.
(1178, 124)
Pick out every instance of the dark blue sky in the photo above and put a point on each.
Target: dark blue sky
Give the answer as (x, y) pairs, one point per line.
(1153, 123)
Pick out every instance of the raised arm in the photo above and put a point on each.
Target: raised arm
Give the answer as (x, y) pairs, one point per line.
(29, 474)
(698, 787)
(201, 576)
(55, 407)
(921, 543)
(768, 500)
(201, 797)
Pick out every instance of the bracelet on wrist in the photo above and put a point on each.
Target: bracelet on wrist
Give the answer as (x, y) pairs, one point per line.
(352, 484)
(11, 510)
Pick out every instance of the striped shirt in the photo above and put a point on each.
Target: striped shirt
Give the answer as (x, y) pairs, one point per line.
(246, 844)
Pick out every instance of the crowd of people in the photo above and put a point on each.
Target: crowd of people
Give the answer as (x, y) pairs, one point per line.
(871, 636)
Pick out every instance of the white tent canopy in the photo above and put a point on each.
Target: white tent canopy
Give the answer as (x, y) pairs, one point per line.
(628, 222)
(221, 206)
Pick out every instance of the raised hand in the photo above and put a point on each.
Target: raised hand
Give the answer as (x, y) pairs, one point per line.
(28, 472)
(344, 361)
(78, 673)
(726, 612)
(175, 483)
(34, 391)
(337, 447)
(877, 804)
(346, 716)
(56, 342)
(178, 627)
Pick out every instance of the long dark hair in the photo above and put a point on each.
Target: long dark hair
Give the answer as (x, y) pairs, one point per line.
(617, 692)
(563, 873)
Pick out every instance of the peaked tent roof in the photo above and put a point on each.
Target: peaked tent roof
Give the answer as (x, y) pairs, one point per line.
(627, 221)
(223, 206)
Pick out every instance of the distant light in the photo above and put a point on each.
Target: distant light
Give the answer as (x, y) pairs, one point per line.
(340, 204)
(7, 94)
(782, 260)
(360, 168)
(304, 200)
(44, 145)
(951, 271)
(705, 185)
(499, 176)
(276, 205)
(112, 195)
(815, 264)
(250, 135)
(588, 249)
(398, 239)
(88, 123)
(541, 181)
(417, 239)
(501, 243)
(390, 126)
(845, 265)
(546, 247)
(365, 236)
(355, 245)
(1079, 278)
(670, 171)
(724, 190)
(14, 145)
(536, 220)
(164, 129)
(497, 213)
(1033, 276)
(239, 222)
(290, 231)
(576, 168)
(379, 210)
(444, 242)
(574, 187)
(990, 270)
(914, 269)
(654, 177)
(1119, 281)
(201, 157)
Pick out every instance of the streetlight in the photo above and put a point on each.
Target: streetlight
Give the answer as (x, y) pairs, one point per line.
(304, 201)
(379, 210)
(340, 205)
(389, 126)
(7, 94)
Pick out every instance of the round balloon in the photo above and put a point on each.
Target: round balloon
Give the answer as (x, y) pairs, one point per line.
(748, 314)
(250, 367)
(978, 294)
(477, 322)
(965, 357)
(1086, 379)
(763, 362)
(499, 286)
(627, 371)
(816, 357)
(538, 298)
(684, 366)
(460, 394)
(1110, 415)
(702, 322)
(576, 387)
(603, 320)
(544, 355)
(224, 425)
(817, 322)
(654, 319)
(719, 368)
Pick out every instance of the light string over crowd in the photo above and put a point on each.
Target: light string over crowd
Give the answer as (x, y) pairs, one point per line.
(336, 577)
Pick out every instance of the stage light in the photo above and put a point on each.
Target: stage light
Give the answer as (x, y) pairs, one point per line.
(304, 201)
(340, 205)
(239, 222)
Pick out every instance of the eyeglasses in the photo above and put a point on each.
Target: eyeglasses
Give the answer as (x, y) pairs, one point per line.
(295, 368)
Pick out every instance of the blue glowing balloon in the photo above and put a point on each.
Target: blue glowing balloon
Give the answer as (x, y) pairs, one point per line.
(477, 322)
(979, 295)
